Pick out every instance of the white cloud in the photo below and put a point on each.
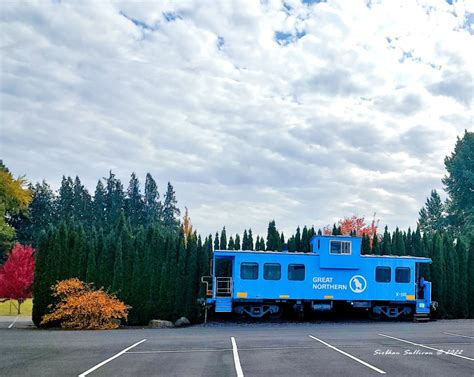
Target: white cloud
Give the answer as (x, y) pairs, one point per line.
(351, 112)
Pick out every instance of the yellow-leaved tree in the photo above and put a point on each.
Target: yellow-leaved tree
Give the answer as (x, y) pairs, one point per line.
(80, 306)
(14, 199)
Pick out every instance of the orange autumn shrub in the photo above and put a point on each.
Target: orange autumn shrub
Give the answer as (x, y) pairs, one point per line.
(80, 306)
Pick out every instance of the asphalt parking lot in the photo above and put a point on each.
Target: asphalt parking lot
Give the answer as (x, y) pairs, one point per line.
(357, 348)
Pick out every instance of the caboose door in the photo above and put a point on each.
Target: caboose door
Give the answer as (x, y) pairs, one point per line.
(223, 274)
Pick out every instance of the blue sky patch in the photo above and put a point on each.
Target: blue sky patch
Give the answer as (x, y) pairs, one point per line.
(220, 42)
(138, 22)
(171, 16)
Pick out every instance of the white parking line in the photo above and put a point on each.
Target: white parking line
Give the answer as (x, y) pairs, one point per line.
(428, 347)
(11, 324)
(110, 359)
(348, 355)
(238, 367)
(464, 336)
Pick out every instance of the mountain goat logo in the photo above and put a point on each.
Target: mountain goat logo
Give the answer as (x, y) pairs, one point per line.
(358, 284)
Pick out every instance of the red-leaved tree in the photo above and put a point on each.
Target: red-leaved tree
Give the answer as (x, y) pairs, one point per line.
(16, 275)
(357, 225)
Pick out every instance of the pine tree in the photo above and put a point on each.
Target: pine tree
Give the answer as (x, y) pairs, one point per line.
(134, 206)
(257, 244)
(81, 203)
(223, 243)
(152, 208)
(171, 212)
(283, 246)
(114, 199)
(41, 215)
(459, 184)
(98, 205)
(431, 217)
(65, 199)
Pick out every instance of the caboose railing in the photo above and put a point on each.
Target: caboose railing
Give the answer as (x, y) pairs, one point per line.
(207, 280)
(223, 286)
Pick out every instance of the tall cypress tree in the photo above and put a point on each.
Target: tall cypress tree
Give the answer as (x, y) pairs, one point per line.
(386, 247)
(273, 237)
(250, 240)
(305, 240)
(41, 284)
(216, 241)
(245, 241)
(117, 282)
(438, 274)
(451, 261)
(462, 309)
(237, 242)
(470, 268)
(231, 244)
(298, 239)
(365, 244)
(223, 241)
(91, 269)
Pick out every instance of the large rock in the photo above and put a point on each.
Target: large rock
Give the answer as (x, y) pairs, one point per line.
(181, 322)
(160, 324)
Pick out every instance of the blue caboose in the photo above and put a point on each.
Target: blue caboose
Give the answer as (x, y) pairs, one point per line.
(257, 283)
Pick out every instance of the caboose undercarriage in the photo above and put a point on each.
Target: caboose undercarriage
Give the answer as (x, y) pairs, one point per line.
(300, 308)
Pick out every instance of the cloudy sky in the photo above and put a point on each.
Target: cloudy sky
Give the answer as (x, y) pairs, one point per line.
(304, 112)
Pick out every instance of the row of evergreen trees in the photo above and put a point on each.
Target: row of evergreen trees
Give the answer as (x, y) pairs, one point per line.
(154, 270)
(73, 202)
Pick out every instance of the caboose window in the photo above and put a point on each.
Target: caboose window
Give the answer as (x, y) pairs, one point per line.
(340, 247)
(272, 271)
(296, 272)
(249, 271)
(382, 274)
(402, 274)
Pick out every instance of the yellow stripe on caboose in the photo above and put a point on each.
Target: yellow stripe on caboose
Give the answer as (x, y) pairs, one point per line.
(242, 294)
(410, 297)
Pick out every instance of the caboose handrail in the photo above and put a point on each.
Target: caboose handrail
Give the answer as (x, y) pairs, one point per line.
(223, 286)
(207, 280)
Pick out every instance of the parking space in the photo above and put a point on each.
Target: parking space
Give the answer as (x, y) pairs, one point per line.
(242, 349)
